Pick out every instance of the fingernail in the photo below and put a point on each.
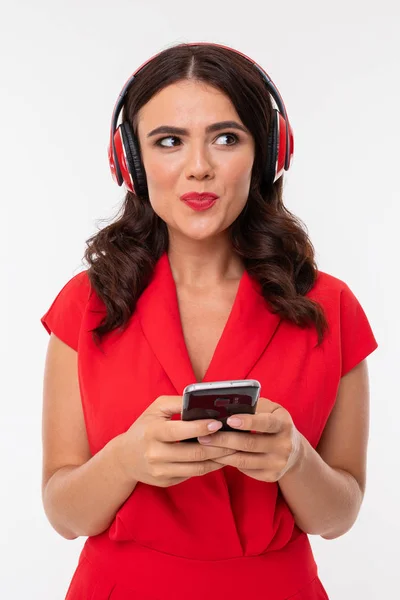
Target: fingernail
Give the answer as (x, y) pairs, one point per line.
(214, 426)
(234, 421)
(204, 439)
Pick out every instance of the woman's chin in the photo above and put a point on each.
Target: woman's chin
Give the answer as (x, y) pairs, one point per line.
(201, 233)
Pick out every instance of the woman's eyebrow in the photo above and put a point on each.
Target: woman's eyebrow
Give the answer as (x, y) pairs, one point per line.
(209, 129)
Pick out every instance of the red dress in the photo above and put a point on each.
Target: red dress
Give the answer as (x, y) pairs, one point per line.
(222, 535)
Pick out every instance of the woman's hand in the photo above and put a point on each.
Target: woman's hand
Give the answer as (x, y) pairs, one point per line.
(150, 454)
(266, 455)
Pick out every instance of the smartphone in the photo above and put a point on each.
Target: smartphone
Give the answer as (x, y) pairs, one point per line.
(219, 400)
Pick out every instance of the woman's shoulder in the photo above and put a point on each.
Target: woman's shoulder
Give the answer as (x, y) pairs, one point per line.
(326, 281)
(336, 296)
(76, 290)
(328, 288)
(79, 281)
(64, 315)
(346, 316)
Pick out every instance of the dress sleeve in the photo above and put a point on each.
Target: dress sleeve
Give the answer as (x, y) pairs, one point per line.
(357, 338)
(64, 316)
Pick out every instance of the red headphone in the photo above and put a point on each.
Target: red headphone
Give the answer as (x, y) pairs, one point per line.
(124, 154)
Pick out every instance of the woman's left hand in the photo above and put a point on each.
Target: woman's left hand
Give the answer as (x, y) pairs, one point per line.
(266, 455)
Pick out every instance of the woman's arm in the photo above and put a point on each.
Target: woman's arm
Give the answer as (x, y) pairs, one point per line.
(326, 487)
(81, 493)
(83, 500)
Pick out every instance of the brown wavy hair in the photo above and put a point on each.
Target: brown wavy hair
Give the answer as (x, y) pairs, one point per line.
(273, 244)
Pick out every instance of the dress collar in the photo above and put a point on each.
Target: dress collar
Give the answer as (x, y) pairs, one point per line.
(247, 333)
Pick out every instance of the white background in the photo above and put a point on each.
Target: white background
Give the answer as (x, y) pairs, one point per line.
(62, 67)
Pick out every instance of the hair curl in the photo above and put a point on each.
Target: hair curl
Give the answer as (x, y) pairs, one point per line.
(272, 243)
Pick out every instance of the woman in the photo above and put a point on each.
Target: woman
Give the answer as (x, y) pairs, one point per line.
(181, 289)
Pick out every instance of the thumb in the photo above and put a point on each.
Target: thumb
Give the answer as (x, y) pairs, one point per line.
(266, 405)
(167, 406)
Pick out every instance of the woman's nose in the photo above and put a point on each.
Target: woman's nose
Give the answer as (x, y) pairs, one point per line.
(198, 163)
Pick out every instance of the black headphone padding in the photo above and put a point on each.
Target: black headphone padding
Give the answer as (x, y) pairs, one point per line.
(134, 160)
(272, 149)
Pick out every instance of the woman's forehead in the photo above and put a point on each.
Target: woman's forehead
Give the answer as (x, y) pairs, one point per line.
(184, 103)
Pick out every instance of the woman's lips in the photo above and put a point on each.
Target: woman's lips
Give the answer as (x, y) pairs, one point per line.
(198, 201)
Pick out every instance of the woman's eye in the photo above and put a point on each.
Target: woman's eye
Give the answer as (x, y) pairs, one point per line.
(229, 135)
(170, 137)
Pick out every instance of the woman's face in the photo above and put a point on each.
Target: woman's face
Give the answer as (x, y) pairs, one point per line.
(195, 160)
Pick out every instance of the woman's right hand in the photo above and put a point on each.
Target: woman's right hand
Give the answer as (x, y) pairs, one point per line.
(151, 455)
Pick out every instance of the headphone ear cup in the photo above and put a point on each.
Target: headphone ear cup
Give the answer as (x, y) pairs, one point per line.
(134, 160)
(276, 148)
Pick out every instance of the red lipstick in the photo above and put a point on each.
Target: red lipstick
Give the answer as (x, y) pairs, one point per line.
(199, 201)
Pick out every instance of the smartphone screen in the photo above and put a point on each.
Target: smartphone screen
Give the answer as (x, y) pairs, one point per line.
(219, 400)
